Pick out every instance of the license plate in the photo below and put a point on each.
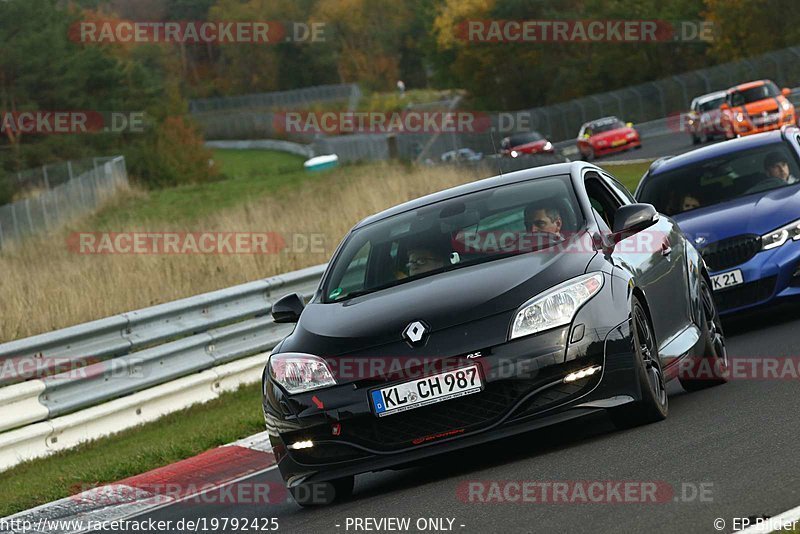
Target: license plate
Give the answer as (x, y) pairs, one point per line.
(619, 142)
(729, 279)
(429, 390)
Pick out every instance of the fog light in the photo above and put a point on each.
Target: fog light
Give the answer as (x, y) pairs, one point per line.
(301, 445)
(795, 281)
(583, 373)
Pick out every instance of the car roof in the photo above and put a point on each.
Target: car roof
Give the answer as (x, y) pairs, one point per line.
(716, 150)
(748, 85)
(479, 185)
(602, 121)
(710, 96)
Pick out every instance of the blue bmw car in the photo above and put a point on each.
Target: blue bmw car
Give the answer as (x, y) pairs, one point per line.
(739, 202)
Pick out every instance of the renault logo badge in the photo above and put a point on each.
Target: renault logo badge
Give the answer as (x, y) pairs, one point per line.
(415, 332)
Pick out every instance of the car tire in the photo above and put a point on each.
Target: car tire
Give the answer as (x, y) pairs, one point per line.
(589, 155)
(654, 404)
(695, 140)
(712, 368)
(323, 493)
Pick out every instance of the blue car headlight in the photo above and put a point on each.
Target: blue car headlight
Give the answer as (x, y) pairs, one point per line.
(776, 238)
(556, 306)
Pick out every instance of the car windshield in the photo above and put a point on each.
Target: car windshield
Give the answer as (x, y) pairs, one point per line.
(452, 234)
(604, 126)
(711, 105)
(721, 179)
(754, 94)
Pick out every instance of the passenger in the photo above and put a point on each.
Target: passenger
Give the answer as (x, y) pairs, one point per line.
(690, 202)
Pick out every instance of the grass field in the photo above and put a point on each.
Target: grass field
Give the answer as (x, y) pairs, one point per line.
(174, 437)
(248, 175)
(627, 173)
(46, 286)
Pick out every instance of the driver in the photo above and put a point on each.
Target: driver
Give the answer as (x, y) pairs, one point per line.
(425, 256)
(544, 217)
(776, 166)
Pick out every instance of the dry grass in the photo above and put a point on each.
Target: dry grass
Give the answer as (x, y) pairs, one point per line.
(45, 286)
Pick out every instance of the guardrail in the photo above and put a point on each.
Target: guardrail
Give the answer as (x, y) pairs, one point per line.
(61, 372)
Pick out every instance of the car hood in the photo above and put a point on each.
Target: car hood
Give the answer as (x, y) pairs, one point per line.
(754, 214)
(612, 135)
(533, 145)
(442, 301)
(770, 105)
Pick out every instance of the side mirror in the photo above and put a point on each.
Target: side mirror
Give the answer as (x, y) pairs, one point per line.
(287, 309)
(629, 124)
(633, 218)
(786, 92)
(725, 106)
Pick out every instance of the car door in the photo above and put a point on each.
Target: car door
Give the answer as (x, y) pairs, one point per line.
(655, 257)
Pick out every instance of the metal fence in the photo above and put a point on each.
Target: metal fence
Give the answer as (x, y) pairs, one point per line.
(137, 350)
(665, 97)
(252, 116)
(648, 105)
(55, 194)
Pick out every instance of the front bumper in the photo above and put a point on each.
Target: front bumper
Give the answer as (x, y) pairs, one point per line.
(524, 390)
(747, 128)
(629, 144)
(768, 276)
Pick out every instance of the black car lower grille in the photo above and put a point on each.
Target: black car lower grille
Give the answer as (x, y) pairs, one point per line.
(731, 252)
(749, 293)
(468, 413)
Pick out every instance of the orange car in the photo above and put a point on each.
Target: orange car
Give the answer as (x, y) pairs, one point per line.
(756, 107)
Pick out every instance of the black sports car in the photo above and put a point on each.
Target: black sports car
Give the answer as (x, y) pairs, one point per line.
(482, 311)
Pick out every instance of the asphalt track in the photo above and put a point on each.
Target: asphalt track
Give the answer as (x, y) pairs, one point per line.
(668, 144)
(739, 441)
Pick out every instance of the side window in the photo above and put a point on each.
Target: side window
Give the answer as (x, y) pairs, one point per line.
(619, 190)
(602, 200)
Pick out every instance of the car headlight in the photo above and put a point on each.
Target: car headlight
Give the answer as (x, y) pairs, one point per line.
(780, 236)
(555, 307)
(297, 372)
(548, 146)
(602, 142)
(514, 153)
(786, 105)
(630, 135)
(740, 117)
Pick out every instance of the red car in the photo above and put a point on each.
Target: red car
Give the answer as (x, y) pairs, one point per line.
(605, 136)
(525, 143)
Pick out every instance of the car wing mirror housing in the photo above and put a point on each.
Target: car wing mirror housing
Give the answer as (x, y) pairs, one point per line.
(288, 308)
(786, 91)
(632, 219)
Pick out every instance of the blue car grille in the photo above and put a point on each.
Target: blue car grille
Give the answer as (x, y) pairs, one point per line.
(745, 294)
(731, 252)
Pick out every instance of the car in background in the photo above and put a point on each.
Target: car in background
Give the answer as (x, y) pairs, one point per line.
(706, 119)
(605, 136)
(461, 155)
(480, 312)
(525, 143)
(739, 203)
(756, 107)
